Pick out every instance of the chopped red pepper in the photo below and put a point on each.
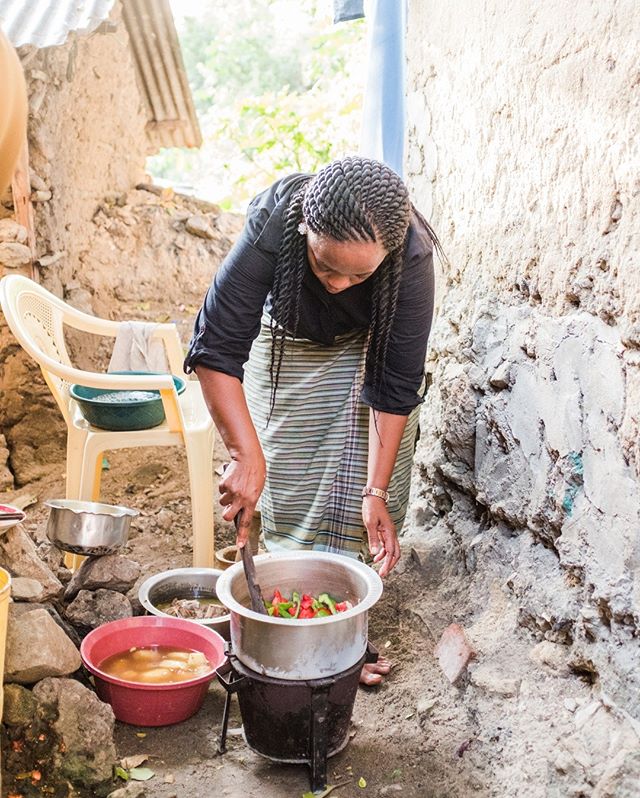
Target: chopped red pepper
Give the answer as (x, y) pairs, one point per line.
(305, 606)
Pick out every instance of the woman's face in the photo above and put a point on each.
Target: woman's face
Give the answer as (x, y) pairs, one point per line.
(341, 264)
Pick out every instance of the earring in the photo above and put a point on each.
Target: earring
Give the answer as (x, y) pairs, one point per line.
(302, 228)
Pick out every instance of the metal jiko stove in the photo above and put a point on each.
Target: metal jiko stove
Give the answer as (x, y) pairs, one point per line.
(293, 721)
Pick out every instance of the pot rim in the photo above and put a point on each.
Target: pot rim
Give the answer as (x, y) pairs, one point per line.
(91, 508)
(223, 588)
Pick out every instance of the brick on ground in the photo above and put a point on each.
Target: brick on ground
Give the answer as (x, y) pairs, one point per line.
(454, 652)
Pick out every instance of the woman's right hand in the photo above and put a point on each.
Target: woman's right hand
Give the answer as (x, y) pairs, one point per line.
(240, 487)
(243, 479)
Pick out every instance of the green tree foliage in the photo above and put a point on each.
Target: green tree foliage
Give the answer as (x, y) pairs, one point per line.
(277, 87)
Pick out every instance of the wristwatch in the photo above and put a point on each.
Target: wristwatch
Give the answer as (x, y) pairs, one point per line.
(381, 494)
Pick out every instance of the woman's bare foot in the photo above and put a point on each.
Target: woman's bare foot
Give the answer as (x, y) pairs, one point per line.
(373, 672)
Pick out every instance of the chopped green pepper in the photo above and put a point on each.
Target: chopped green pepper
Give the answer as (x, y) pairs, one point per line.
(283, 609)
(325, 598)
(296, 600)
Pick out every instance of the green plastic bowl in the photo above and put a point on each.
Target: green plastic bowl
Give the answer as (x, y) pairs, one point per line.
(123, 409)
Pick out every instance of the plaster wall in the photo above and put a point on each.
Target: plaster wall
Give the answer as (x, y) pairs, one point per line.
(523, 149)
(86, 135)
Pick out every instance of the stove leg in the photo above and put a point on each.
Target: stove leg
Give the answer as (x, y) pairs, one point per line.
(318, 742)
(222, 745)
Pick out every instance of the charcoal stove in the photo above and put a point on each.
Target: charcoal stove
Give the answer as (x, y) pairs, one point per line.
(293, 721)
(297, 681)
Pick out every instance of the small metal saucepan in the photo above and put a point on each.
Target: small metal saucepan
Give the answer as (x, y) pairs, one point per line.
(88, 528)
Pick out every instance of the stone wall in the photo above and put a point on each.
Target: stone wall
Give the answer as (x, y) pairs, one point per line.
(523, 148)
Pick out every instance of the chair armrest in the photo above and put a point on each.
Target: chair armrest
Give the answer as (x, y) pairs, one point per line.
(85, 322)
(168, 334)
(116, 382)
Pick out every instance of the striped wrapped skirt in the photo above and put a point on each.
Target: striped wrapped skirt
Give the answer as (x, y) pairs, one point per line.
(316, 445)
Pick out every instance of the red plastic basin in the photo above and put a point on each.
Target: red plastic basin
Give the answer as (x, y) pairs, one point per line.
(151, 704)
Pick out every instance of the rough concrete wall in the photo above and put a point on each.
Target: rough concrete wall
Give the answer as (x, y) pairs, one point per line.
(523, 146)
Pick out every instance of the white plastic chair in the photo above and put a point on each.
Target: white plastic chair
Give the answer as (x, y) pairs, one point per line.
(37, 318)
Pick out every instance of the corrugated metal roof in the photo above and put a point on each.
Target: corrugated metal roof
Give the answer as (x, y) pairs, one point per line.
(46, 23)
(154, 41)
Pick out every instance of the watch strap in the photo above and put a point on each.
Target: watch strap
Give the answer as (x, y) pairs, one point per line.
(381, 494)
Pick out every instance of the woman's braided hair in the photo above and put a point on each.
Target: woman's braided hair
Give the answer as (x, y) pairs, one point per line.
(353, 199)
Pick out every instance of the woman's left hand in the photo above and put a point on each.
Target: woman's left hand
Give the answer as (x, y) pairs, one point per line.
(383, 539)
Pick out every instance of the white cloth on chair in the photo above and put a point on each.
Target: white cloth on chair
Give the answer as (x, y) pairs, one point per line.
(135, 349)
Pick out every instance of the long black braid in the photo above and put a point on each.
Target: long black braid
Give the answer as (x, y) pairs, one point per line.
(353, 199)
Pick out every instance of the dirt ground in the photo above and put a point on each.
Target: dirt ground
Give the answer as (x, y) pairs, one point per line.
(390, 747)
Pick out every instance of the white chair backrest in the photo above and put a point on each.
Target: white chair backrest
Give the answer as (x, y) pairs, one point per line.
(37, 321)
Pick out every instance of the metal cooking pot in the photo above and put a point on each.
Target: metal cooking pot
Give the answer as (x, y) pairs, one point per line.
(184, 583)
(302, 649)
(88, 528)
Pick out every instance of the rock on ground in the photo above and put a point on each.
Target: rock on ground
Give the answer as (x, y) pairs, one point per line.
(20, 556)
(112, 572)
(25, 589)
(85, 727)
(19, 707)
(454, 652)
(37, 647)
(91, 609)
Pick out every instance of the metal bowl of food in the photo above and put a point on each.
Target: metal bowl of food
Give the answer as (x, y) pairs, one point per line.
(88, 528)
(189, 593)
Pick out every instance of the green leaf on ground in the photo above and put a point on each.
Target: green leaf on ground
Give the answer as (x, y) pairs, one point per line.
(121, 773)
(141, 774)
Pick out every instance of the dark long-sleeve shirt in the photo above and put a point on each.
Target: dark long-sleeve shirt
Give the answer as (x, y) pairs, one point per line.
(229, 319)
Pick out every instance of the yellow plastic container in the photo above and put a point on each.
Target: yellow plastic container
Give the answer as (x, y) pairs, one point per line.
(5, 592)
